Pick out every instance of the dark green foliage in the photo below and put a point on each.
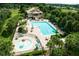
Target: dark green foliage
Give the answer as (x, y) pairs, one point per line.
(23, 11)
(5, 47)
(55, 46)
(11, 25)
(4, 14)
(21, 30)
(72, 44)
(70, 47)
(1, 24)
(58, 52)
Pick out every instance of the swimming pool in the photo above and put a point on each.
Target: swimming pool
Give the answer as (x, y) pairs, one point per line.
(45, 28)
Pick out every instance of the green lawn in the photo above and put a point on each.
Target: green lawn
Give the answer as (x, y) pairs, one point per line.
(14, 12)
(68, 10)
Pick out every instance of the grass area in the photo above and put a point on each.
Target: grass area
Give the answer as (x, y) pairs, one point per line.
(68, 10)
(34, 53)
(14, 12)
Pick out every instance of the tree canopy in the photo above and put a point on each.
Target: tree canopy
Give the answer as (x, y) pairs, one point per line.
(5, 47)
(72, 44)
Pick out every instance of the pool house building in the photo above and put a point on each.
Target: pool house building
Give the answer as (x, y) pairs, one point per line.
(34, 13)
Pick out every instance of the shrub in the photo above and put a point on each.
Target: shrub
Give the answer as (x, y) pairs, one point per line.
(22, 22)
(21, 30)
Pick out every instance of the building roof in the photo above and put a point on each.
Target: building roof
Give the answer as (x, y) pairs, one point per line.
(34, 10)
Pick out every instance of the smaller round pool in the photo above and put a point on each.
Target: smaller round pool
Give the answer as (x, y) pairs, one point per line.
(24, 45)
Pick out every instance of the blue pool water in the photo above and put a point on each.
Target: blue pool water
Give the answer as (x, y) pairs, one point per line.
(26, 45)
(45, 28)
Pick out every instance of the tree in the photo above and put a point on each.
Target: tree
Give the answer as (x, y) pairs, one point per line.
(58, 51)
(54, 43)
(21, 30)
(10, 26)
(5, 47)
(72, 44)
(47, 16)
(4, 14)
(23, 11)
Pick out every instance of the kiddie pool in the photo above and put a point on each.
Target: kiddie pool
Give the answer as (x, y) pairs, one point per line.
(27, 44)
